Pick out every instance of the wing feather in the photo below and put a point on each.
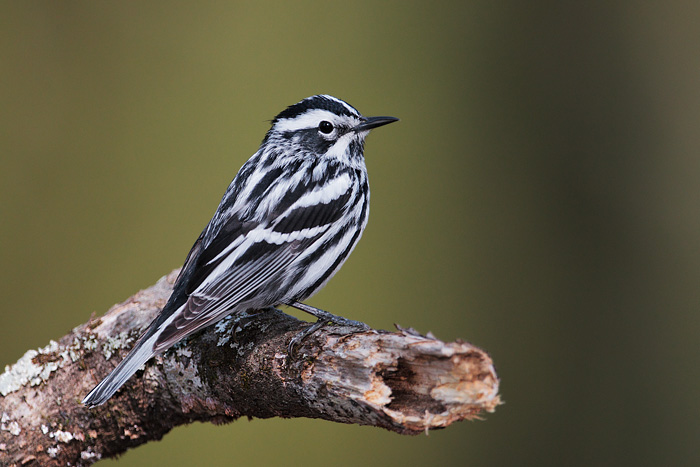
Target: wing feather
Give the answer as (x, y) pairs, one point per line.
(214, 301)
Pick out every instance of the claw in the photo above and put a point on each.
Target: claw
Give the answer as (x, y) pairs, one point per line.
(301, 335)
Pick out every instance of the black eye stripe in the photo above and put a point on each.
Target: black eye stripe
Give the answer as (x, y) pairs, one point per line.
(325, 127)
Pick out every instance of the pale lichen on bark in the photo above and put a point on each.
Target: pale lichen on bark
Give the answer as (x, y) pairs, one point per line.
(401, 381)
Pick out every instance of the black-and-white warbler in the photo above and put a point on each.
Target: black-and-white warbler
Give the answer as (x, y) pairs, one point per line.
(284, 227)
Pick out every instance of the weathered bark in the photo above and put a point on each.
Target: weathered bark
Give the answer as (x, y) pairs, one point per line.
(400, 381)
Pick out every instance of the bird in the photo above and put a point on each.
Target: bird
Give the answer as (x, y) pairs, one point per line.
(285, 225)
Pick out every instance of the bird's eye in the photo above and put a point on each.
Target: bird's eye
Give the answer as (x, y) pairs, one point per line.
(325, 127)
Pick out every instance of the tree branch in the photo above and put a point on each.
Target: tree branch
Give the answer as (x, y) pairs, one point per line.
(400, 381)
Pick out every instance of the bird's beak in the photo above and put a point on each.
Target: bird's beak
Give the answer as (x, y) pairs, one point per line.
(373, 122)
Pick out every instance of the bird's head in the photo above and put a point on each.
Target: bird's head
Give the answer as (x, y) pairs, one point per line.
(322, 126)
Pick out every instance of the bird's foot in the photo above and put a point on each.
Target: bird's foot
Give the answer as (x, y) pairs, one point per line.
(324, 318)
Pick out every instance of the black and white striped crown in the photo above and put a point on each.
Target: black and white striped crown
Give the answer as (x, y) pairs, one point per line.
(319, 102)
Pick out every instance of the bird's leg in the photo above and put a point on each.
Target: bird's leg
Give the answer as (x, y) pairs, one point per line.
(323, 318)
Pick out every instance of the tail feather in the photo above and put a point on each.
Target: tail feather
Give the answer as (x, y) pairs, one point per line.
(116, 379)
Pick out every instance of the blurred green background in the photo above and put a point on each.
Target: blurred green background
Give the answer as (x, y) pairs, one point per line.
(540, 198)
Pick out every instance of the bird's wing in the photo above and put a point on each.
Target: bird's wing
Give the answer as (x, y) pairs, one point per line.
(246, 260)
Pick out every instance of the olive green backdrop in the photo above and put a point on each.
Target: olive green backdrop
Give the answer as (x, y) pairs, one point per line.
(540, 198)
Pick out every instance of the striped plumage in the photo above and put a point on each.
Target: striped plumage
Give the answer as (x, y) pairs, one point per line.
(286, 224)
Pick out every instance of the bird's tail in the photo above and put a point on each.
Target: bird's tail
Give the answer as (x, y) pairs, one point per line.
(139, 355)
